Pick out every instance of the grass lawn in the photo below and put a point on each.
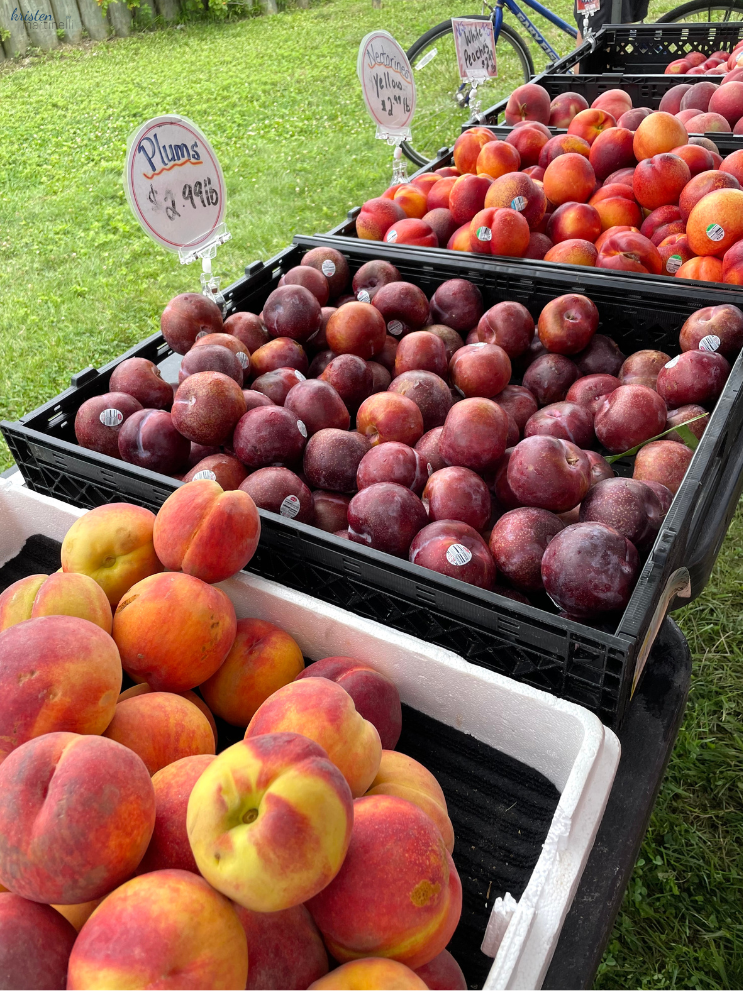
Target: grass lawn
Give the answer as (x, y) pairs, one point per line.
(80, 283)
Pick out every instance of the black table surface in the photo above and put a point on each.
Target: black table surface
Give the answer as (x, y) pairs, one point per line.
(647, 736)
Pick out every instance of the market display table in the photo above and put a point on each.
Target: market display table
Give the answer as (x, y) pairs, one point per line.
(647, 737)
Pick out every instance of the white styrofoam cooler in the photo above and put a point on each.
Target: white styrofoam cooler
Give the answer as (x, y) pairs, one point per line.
(566, 743)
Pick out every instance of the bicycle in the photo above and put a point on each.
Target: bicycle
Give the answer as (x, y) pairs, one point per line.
(444, 101)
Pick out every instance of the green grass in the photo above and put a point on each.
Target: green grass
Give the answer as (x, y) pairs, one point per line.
(80, 283)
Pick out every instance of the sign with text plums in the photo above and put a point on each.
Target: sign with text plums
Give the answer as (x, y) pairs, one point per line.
(174, 183)
(387, 84)
(474, 42)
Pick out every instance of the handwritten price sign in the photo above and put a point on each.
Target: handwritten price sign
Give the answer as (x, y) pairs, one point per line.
(387, 84)
(475, 46)
(174, 183)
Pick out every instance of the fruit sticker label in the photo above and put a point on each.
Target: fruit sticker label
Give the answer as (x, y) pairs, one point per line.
(518, 203)
(243, 359)
(387, 84)
(709, 343)
(298, 375)
(474, 42)
(458, 555)
(111, 417)
(715, 232)
(395, 328)
(484, 234)
(363, 296)
(205, 473)
(328, 268)
(391, 236)
(301, 428)
(290, 507)
(674, 263)
(174, 183)
(672, 362)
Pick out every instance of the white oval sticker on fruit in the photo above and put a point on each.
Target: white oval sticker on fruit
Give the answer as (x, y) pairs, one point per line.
(484, 234)
(301, 428)
(299, 376)
(111, 417)
(290, 507)
(429, 468)
(394, 327)
(201, 333)
(328, 268)
(674, 263)
(518, 203)
(243, 359)
(672, 362)
(204, 473)
(458, 555)
(391, 237)
(709, 343)
(363, 296)
(715, 232)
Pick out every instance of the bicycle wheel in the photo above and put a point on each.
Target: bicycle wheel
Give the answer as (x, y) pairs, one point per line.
(705, 10)
(438, 114)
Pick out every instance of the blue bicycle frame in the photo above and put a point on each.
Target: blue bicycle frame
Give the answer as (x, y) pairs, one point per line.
(531, 29)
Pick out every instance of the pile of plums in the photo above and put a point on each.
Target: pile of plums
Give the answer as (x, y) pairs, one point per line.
(395, 421)
(625, 188)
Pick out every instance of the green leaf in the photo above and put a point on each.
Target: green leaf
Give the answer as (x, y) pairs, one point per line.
(682, 429)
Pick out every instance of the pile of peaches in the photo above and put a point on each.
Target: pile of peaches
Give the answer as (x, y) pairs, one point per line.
(460, 437)
(625, 188)
(719, 63)
(132, 855)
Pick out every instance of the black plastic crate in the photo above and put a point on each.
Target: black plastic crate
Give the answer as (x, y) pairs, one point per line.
(500, 808)
(648, 48)
(646, 91)
(593, 667)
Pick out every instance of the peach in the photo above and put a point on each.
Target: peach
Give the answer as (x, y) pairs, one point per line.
(376, 698)
(77, 814)
(186, 317)
(206, 532)
(528, 142)
(285, 949)
(658, 133)
(732, 265)
(35, 944)
(663, 461)
(617, 211)
(674, 251)
(403, 777)
(370, 972)
(727, 101)
(614, 101)
(686, 115)
(573, 251)
(467, 196)
(78, 915)
(425, 182)
(412, 200)
(697, 158)
(528, 102)
(624, 176)
(574, 220)
(173, 631)
(631, 118)
(499, 232)
(733, 165)
(387, 416)
(460, 239)
(184, 932)
(262, 659)
(629, 252)
(467, 147)
(611, 150)
(520, 193)
(671, 101)
(676, 227)
(113, 545)
(716, 222)
(563, 144)
(588, 124)
(161, 728)
(497, 158)
(55, 595)
(356, 328)
(438, 197)
(660, 180)
(678, 67)
(169, 848)
(397, 894)
(325, 713)
(269, 821)
(610, 232)
(705, 269)
(412, 231)
(443, 973)
(569, 178)
(658, 218)
(708, 123)
(564, 107)
(59, 673)
(200, 704)
(612, 189)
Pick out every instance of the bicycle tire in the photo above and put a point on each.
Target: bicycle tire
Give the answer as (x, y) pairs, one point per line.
(428, 147)
(684, 11)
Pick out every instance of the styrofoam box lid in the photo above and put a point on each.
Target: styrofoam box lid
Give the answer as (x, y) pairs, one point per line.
(564, 742)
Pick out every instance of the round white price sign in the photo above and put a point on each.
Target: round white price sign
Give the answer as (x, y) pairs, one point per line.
(174, 183)
(386, 82)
